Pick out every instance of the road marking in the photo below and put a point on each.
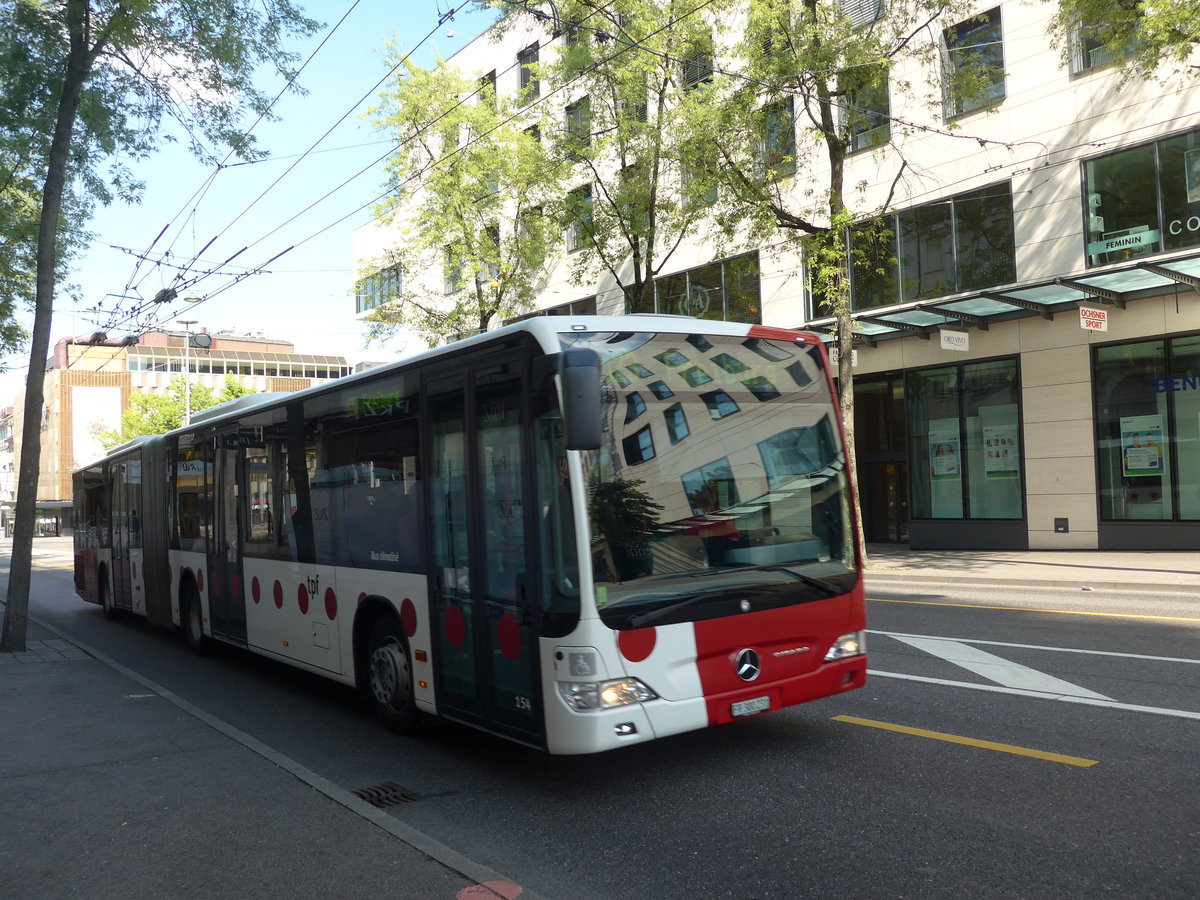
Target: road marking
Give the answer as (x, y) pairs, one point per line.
(972, 742)
(1170, 659)
(994, 668)
(1056, 612)
(995, 689)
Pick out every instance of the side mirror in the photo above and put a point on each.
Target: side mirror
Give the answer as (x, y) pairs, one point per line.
(579, 372)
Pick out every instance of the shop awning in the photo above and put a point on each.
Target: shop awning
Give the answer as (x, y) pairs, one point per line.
(1113, 285)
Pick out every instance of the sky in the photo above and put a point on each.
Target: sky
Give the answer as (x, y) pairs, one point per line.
(306, 295)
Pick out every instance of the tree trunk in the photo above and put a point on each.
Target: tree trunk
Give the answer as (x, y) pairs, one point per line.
(78, 67)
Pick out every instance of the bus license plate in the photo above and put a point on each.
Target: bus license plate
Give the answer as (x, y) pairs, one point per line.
(750, 707)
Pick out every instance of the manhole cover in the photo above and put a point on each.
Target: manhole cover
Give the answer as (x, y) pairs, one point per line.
(386, 794)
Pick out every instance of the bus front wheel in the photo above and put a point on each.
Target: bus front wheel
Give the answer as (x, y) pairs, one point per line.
(389, 677)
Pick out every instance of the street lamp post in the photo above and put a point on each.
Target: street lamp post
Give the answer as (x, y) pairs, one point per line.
(187, 370)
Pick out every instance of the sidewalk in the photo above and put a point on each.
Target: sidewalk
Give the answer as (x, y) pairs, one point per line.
(112, 787)
(1127, 570)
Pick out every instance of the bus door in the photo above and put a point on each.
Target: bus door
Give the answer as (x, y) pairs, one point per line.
(226, 593)
(123, 531)
(485, 612)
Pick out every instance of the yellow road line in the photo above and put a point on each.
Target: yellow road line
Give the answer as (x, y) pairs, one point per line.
(971, 742)
(1057, 612)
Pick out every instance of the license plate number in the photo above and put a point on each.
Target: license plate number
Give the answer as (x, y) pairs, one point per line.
(751, 707)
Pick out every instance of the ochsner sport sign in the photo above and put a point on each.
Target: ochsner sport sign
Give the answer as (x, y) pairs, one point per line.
(1091, 319)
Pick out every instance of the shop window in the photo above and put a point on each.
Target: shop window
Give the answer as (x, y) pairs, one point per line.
(964, 424)
(1148, 430)
(974, 63)
(1143, 200)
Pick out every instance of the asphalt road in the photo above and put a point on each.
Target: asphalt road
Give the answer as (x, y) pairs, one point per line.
(1047, 750)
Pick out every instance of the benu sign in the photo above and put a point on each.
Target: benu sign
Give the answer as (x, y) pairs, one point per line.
(1093, 319)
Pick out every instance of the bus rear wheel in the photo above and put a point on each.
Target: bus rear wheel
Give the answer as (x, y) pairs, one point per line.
(389, 678)
(193, 621)
(106, 602)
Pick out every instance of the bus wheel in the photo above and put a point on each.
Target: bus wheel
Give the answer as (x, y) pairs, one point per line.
(193, 623)
(389, 674)
(106, 602)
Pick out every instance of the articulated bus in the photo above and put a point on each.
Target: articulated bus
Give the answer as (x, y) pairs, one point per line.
(575, 532)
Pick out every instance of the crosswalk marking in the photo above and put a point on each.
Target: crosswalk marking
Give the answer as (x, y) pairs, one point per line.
(997, 669)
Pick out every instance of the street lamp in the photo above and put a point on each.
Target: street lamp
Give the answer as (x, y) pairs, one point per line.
(187, 370)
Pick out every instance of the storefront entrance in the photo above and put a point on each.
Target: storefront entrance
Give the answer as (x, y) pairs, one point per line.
(880, 440)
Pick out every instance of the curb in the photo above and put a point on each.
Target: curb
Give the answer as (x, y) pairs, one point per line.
(1100, 584)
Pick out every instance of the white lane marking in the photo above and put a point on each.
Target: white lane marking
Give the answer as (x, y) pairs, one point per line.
(1086, 701)
(1171, 659)
(996, 669)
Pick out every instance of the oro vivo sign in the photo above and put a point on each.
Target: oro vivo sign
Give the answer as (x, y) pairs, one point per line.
(1093, 319)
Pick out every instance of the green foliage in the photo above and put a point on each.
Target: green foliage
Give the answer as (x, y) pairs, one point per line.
(1146, 39)
(150, 413)
(474, 188)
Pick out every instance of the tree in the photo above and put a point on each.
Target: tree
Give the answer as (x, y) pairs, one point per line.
(87, 87)
(150, 413)
(1142, 36)
(629, 74)
(468, 196)
(812, 86)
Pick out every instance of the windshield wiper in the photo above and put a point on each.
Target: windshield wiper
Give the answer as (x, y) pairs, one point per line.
(655, 614)
(827, 586)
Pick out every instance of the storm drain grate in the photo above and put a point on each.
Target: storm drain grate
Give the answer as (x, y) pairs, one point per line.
(385, 794)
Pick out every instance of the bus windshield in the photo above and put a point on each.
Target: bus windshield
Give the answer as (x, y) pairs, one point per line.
(720, 486)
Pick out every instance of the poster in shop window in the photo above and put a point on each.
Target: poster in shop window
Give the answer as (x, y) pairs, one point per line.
(943, 456)
(1141, 446)
(1000, 452)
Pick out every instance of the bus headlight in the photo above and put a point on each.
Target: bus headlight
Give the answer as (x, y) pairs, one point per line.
(587, 696)
(851, 644)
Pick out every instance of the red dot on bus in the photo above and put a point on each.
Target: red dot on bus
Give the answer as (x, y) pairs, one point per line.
(302, 599)
(330, 604)
(278, 595)
(362, 597)
(456, 626)
(638, 644)
(255, 589)
(508, 632)
(408, 617)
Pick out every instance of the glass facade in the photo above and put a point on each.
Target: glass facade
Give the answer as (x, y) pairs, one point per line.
(965, 441)
(1143, 200)
(726, 290)
(962, 243)
(1148, 429)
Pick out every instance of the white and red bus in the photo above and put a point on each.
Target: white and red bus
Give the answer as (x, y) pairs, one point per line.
(578, 533)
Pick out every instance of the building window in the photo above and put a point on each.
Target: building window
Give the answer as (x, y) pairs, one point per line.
(487, 89)
(677, 426)
(530, 86)
(697, 68)
(711, 487)
(1097, 43)
(719, 404)
(579, 213)
(962, 243)
(634, 407)
(377, 288)
(1148, 428)
(974, 63)
(452, 275)
(579, 123)
(639, 446)
(1143, 200)
(728, 290)
(863, 12)
(779, 139)
(868, 116)
(965, 439)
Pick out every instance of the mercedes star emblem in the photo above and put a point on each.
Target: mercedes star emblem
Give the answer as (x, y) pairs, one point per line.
(748, 666)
